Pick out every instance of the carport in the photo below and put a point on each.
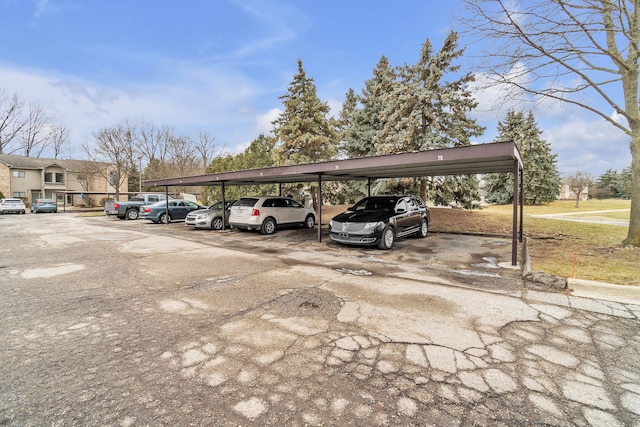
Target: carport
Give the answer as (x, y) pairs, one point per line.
(498, 157)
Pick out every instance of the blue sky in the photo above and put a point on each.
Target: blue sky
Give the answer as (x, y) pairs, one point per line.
(220, 65)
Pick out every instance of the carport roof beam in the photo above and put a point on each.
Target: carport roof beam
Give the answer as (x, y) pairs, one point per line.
(472, 159)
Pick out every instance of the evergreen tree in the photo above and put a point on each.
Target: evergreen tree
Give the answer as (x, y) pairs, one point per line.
(367, 121)
(541, 177)
(303, 130)
(425, 111)
(612, 184)
(625, 184)
(259, 154)
(344, 120)
(606, 185)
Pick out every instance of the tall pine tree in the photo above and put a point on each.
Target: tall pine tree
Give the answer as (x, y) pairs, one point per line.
(303, 131)
(425, 110)
(367, 121)
(541, 179)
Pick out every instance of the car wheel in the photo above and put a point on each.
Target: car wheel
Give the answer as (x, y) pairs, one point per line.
(165, 218)
(424, 228)
(268, 226)
(23, 212)
(132, 214)
(216, 223)
(310, 221)
(388, 235)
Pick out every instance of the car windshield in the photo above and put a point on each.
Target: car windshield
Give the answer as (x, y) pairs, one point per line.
(375, 204)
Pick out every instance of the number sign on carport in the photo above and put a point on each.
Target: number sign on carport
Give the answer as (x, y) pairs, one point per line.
(497, 157)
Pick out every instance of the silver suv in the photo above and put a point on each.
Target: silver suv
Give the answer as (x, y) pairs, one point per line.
(266, 213)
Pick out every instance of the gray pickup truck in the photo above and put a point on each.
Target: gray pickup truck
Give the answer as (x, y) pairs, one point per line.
(131, 208)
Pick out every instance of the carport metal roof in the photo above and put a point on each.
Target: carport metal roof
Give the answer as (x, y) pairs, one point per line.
(500, 157)
(473, 159)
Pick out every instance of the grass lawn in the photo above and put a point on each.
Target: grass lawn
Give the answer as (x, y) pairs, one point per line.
(552, 243)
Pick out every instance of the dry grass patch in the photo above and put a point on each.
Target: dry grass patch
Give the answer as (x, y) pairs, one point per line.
(552, 242)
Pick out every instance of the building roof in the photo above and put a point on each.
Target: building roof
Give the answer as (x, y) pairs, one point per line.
(472, 159)
(21, 162)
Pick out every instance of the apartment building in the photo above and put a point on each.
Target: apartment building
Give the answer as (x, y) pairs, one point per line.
(70, 182)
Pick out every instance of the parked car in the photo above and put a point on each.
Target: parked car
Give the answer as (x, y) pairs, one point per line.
(178, 209)
(12, 206)
(379, 220)
(43, 205)
(210, 217)
(130, 209)
(266, 213)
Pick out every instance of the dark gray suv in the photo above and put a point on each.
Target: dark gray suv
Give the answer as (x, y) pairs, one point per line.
(379, 220)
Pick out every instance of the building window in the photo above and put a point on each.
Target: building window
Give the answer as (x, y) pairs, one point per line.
(48, 177)
(17, 174)
(59, 178)
(20, 194)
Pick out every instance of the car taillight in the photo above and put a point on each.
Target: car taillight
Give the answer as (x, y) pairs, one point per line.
(255, 212)
(147, 210)
(116, 205)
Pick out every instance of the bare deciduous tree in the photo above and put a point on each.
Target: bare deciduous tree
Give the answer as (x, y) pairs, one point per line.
(35, 134)
(569, 51)
(578, 182)
(207, 148)
(58, 135)
(115, 146)
(11, 121)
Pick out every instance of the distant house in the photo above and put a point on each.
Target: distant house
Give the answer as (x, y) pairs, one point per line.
(72, 182)
(566, 193)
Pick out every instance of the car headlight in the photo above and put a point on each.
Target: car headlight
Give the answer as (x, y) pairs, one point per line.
(370, 227)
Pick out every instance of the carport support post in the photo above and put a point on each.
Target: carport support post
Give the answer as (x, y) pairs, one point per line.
(224, 211)
(166, 201)
(514, 238)
(521, 203)
(319, 208)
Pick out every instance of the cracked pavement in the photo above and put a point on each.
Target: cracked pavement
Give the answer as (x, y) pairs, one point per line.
(130, 323)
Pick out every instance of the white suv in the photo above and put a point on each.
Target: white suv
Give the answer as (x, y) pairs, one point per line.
(267, 213)
(12, 206)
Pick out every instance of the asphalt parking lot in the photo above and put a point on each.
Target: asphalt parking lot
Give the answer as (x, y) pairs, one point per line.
(107, 322)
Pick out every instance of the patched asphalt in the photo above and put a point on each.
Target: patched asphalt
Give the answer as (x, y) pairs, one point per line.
(107, 322)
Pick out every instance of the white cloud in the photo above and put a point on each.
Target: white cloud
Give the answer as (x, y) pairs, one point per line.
(591, 146)
(263, 121)
(496, 99)
(43, 7)
(191, 98)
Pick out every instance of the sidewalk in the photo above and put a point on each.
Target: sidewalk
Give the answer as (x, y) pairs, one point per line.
(605, 291)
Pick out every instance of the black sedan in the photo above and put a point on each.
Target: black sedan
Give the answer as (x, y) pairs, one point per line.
(379, 220)
(178, 209)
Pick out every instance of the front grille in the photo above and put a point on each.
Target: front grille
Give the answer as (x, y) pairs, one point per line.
(349, 227)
